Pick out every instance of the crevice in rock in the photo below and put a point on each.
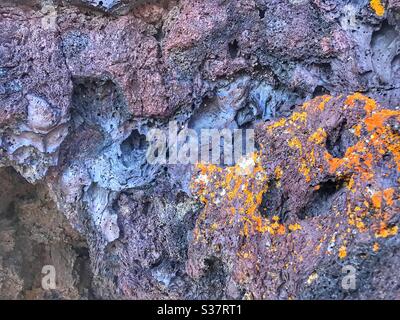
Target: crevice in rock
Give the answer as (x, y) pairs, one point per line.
(233, 48)
(320, 91)
(274, 203)
(340, 140)
(261, 13)
(321, 200)
(134, 148)
(214, 277)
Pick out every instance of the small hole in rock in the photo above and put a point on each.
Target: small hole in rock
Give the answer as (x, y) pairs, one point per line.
(233, 49)
(261, 13)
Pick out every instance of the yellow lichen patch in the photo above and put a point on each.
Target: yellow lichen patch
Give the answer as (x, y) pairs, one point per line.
(278, 172)
(281, 230)
(321, 102)
(305, 170)
(299, 117)
(378, 7)
(342, 252)
(294, 227)
(214, 226)
(325, 100)
(357, 130)
(350, 185)
(278, 175)
(277, 124)
(245, 255)
(240, 189)
(295, 143)
(360, 161)
(318, 137)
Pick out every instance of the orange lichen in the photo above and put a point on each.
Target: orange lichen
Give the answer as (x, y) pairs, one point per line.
(361, 163)
(384, 231)
(378, 7)
(377, 120)
(334, 163)
(388, 196)
(342, 252)
(369, 104)
(375, 247)
(377, 200)
(278, 173)
(360, 158)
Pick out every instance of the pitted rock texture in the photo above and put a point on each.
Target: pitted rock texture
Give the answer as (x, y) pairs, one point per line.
(82, 83)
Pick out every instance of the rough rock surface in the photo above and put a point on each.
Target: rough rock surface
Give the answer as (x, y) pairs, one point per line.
(82, 82)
